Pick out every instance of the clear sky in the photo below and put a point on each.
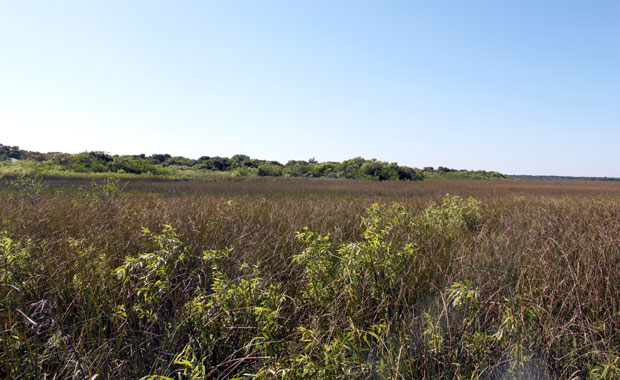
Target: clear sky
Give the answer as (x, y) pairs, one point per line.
(521, 87)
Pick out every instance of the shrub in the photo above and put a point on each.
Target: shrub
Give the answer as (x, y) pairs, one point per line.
(269, 170)
(446, 220)
(31, 187)
(109, 188)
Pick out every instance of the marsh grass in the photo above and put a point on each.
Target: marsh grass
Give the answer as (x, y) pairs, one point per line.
(311, 279)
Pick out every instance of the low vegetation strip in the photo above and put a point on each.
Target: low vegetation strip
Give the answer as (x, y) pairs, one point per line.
(14, 161)
(124, 281)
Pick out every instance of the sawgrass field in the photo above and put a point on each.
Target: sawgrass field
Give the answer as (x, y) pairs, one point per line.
(299, 278)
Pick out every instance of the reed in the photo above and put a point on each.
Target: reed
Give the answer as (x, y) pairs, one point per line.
(303, 278)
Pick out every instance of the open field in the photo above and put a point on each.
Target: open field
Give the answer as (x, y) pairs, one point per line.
(197, 279)
(269, 187)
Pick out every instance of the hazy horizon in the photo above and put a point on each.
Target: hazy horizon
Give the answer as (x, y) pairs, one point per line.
(515, 87)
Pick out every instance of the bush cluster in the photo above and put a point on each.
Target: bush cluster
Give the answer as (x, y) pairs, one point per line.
(162, 164)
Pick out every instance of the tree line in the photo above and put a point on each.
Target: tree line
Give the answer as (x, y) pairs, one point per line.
(239, 164)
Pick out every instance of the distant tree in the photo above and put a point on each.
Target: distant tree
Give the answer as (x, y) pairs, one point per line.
(240, 158)
(34, 156)
(296, 162)
(406, 173)
(63, 159)
(268, 169)
(297, 168)
(179, 161)
(379, 170)
(160, 157)
(127, 164)
(251, 163)
(220, 163)
(445, 170)
(91, 162)
(324, 169)
(351, 168)
(7, 152)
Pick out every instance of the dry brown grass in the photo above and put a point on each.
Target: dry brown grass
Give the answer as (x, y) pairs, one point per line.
(258, 186)
(552, 248)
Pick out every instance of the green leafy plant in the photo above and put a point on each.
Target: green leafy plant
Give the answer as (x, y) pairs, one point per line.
(31, 187)
(109, 188)
(242, 315)
(451, 216)
(151, 277)
(366, 273)
(608, 370)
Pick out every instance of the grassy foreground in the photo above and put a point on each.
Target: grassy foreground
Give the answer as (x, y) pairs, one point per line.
(316, 279)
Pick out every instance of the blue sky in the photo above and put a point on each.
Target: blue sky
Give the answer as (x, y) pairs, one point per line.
(521, 87)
